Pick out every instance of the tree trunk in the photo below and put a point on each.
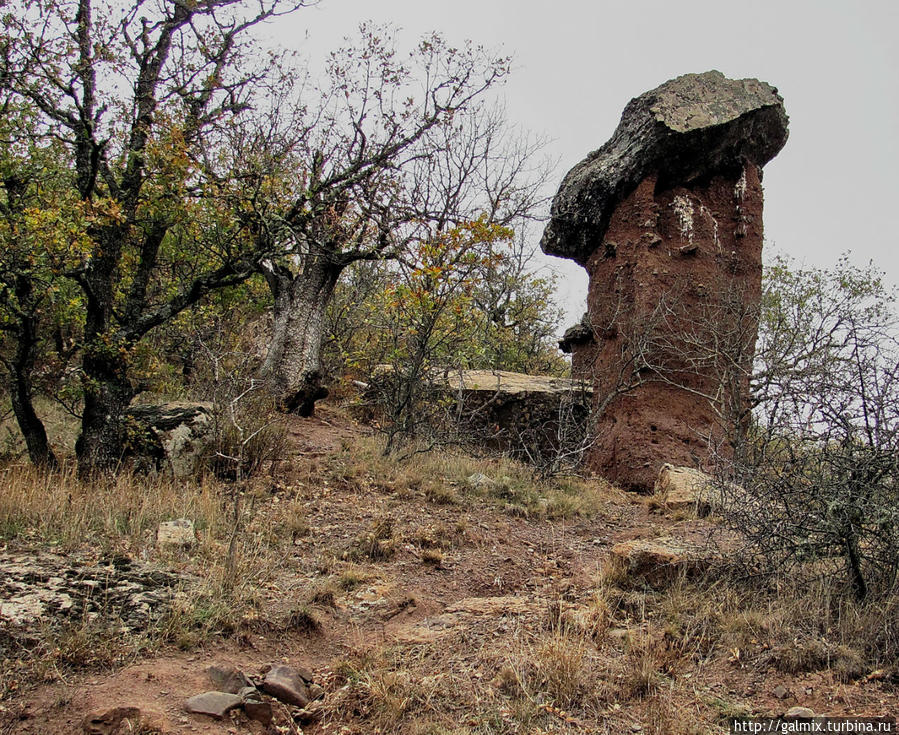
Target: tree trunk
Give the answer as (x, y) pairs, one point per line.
(293, 362)
(104, 431)
(107, 388)
(20, 369)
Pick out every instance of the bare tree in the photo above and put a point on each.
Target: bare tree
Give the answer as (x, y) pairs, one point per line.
(388, 154)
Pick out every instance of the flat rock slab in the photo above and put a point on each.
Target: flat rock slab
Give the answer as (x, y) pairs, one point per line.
(40, 588)
(291, 685)
(213, 704)
(228, 679)
(658, 561)
(462, 613)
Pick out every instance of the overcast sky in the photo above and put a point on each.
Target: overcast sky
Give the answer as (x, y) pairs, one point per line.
(578, 62)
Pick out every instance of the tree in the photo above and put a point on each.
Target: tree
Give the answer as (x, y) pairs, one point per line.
(820, 463)
(138, 100)
(34, 209)
(388, 154)
(509, 315)
(422, 323)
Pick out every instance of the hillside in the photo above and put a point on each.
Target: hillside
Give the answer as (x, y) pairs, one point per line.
(440, 594)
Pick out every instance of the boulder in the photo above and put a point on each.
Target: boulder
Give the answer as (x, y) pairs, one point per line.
(499, 409)
(659, 561)
(685, 130)
(683, 488)
(175, 438)
(177, 534)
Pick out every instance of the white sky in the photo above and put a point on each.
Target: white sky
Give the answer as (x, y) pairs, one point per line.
(577, 63)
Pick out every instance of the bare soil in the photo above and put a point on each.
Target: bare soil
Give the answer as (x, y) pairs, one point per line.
(403, 643)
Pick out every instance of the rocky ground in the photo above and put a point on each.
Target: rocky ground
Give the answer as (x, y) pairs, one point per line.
(409, 604)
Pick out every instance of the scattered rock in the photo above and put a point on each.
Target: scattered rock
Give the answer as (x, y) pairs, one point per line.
(288, 684)
(37, 588)
(658, 561)
(798, 713)
(177, 534)
(111, 721)
(228, 679)
(683, 488)
(781, 692)
(213, 704)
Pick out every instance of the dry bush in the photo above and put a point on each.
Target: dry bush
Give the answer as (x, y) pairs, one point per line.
(379, 543)
(389, 690)
(558, 665)
(351, 577)
(791, 630)
(432, 557)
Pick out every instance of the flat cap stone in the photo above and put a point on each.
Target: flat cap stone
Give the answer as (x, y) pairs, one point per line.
(685, 130)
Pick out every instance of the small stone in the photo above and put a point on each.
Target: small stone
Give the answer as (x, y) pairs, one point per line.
(248, 693)
(107, 723)
(214, 704)
(781, 692)
(258, 710)
(227, 678)
(799, 713)
(177, 534)
(288, 684)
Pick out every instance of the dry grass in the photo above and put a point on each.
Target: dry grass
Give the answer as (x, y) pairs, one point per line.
(232, 561)
(788, 630)
(59, 509)
(442, 477)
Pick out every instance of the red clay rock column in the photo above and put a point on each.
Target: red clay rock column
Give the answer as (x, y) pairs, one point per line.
(672, 300)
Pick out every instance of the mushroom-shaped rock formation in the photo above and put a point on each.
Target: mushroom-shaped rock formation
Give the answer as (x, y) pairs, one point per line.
(685, 130)
(667, 219)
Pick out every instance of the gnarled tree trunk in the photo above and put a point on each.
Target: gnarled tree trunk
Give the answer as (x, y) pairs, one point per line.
(293, 362)
(107, 388)
(20, 369)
